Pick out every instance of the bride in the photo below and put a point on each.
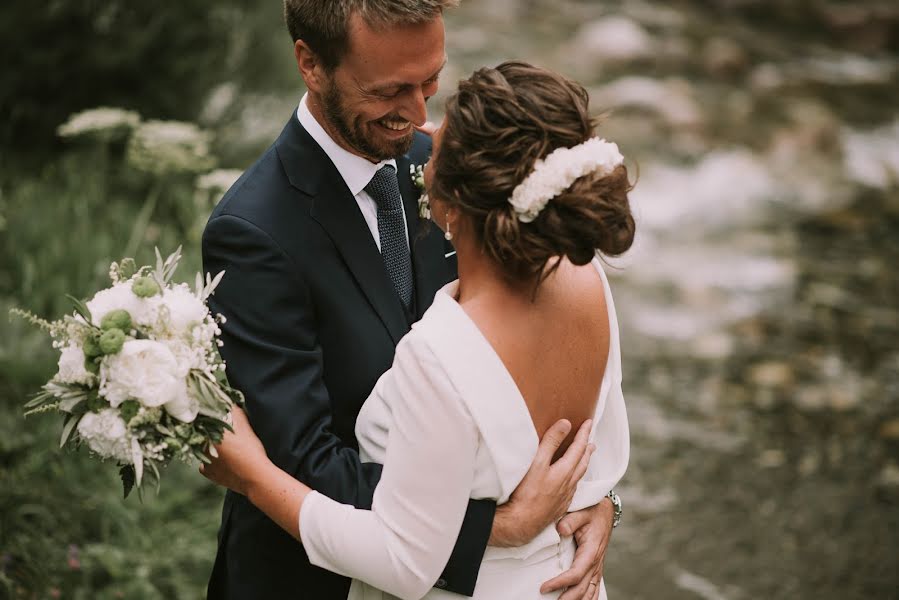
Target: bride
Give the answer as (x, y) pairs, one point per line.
(527, 335)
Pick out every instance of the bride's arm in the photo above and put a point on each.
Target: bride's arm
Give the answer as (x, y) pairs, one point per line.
(402, 544)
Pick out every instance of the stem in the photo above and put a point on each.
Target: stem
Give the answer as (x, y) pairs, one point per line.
(143, 220)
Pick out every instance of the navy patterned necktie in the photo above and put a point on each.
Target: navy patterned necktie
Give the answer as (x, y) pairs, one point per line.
(384, 188)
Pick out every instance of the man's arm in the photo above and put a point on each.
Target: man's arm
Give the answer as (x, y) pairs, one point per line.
(272, 354)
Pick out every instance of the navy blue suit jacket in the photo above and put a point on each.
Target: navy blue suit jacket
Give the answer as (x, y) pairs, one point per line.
(312, 322)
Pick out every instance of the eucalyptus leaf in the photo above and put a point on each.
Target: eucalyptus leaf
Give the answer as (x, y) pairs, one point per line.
(67, 429)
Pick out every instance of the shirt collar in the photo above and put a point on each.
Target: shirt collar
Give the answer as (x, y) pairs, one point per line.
(355, 170)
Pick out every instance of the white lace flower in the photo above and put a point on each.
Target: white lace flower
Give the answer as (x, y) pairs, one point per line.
(119, 296)
(107, 435)
(554, 174)
(71, 366)
(167, 147)
(103, 123)
(144, 370)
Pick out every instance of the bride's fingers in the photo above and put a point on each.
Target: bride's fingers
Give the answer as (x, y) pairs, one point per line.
(572, 522)
(428, 128)
(551, 442)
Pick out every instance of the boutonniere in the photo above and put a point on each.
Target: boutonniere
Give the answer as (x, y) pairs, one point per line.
(417, 172)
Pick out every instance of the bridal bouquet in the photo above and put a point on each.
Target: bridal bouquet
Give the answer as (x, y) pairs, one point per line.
(140, 380)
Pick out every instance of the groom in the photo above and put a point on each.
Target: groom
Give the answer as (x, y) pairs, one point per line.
(327, 266)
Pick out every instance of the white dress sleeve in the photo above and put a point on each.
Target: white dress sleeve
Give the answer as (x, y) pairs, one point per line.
(403, 543)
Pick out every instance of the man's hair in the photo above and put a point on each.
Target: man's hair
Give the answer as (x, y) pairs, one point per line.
(324, 24)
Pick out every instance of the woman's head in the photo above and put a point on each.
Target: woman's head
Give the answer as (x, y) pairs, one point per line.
(498, 125)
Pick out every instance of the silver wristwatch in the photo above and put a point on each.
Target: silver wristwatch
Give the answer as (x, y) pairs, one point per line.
(616, 502)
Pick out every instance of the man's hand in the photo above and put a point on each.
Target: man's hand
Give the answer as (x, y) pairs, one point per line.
(545, 493)
(592, 529)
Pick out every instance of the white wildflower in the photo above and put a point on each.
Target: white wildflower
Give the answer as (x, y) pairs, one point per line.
(103, 124)
(166, 147)
(107, 435)
(211, 186)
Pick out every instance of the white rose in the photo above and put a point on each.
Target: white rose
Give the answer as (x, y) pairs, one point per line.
(184, 308)
(71, 367)
(117, 297)
(107, 435)
(144, 370)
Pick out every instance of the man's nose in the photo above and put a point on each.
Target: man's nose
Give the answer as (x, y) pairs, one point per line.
(416, 109)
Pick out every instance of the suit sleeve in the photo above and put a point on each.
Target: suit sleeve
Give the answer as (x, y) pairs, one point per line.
(402, 543)
(273, 357)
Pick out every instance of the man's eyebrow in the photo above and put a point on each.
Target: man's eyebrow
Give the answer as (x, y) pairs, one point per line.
(404, 85)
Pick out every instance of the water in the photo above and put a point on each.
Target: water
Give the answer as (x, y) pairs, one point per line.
(759, 305)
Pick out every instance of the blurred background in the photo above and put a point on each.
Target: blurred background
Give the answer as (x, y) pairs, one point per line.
(758, 307)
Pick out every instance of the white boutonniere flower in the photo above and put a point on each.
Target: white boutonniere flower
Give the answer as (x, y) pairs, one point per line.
(417, 172)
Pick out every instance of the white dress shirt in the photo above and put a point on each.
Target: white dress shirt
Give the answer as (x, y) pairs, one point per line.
(355, 170)
(448, 423)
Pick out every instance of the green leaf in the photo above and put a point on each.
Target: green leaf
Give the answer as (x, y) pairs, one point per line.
(127, 475)
(80, 308)
(67, 429)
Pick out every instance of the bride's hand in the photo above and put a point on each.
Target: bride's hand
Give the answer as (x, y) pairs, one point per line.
(545, 493)
(238, 458)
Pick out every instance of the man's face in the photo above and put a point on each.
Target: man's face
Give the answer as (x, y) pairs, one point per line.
(378, 91)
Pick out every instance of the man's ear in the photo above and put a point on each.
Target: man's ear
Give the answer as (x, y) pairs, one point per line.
(310, 67)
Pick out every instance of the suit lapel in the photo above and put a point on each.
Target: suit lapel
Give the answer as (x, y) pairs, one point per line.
(335, 209)
(425, 242)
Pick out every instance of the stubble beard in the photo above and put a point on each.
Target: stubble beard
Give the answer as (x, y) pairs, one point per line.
(349, 128)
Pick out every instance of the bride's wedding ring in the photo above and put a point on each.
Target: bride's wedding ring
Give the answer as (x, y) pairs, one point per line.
(592, 583)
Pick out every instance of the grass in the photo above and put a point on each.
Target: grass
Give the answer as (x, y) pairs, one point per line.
(65, 531)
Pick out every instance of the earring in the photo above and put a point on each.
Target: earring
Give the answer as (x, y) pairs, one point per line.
(449, 234)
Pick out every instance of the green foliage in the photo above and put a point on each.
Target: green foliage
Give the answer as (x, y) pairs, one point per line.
(64, 527)
(157, 58)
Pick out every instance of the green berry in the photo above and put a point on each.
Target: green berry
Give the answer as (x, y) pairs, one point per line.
(92, 347)
(91, 365)
(145, 287)
(111, 341)
(116, 319)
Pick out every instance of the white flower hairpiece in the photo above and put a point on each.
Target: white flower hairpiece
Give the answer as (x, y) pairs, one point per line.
(554, 174)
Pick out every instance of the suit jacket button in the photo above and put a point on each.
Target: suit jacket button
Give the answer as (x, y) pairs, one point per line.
(441, 584)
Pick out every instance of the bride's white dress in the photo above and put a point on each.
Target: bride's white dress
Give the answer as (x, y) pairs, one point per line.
(448, 423)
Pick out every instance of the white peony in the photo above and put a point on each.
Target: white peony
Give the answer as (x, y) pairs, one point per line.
(120, 296)
(184, 308)
(144, 370)
(186, 355)
(184, 408)
(71, 367)
(107, 435)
